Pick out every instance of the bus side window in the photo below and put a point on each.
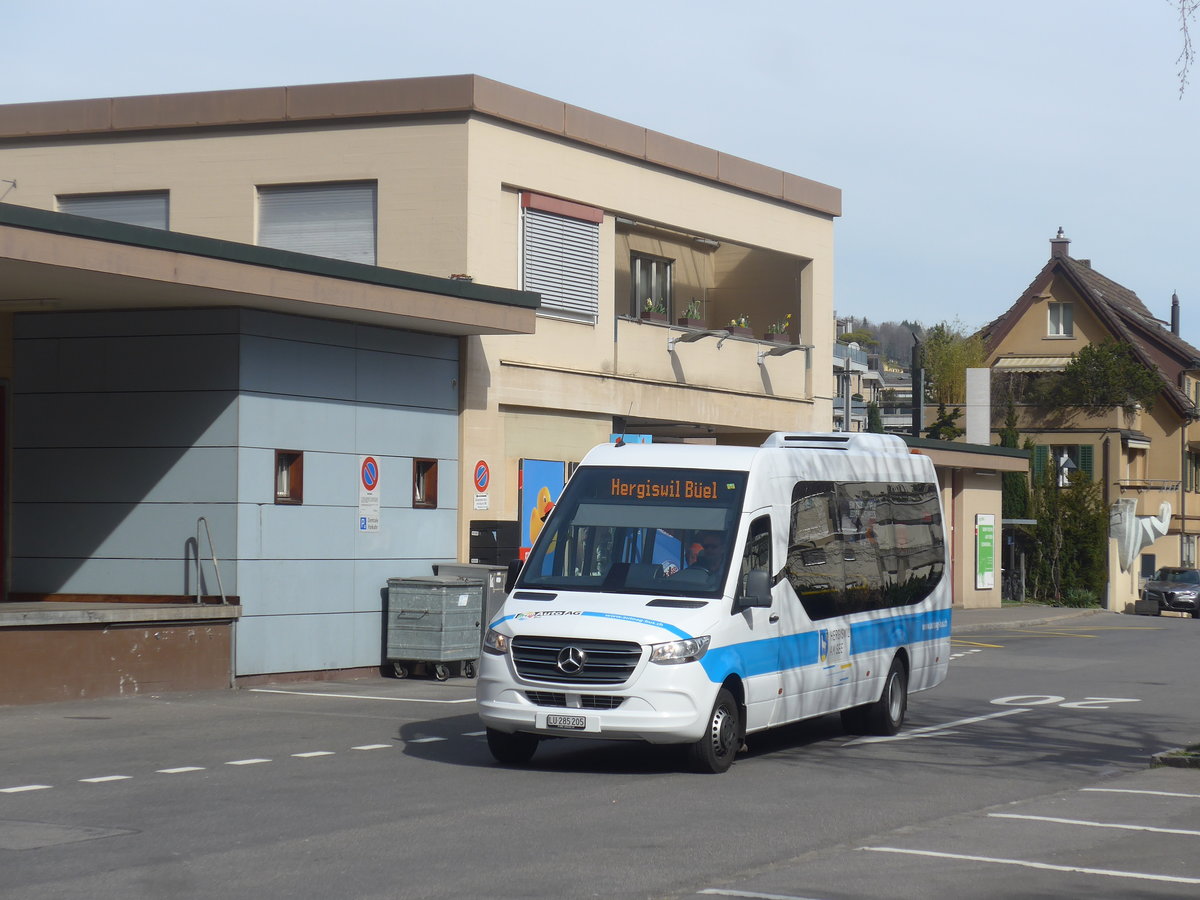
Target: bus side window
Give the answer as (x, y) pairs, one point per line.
(758, 549)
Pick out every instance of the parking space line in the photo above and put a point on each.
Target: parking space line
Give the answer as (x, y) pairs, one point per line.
(1120, 827)
(1029, 864)
(356, 696)
(1151, 793)
(929, 730)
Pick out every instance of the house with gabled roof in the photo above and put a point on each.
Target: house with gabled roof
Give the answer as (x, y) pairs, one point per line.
(1147, 461)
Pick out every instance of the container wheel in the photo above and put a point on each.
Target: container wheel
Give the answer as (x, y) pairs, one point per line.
(399, 670)
(441, 672)
(468, 669)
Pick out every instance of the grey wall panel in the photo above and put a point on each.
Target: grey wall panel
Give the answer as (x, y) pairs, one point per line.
(267, 644)
(285, 587)
(117, 576)
(407, 432)
(371, 577)
(275, 422)
(116, 364)
(302, 532)
(130, 531)
(125, 475)
(296, 369)
(412, 343)
(413, 534)
(143, 419)
(418, 382)
(298, 328)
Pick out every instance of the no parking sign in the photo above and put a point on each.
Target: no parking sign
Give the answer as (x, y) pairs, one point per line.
(482, 476)
(368, 494)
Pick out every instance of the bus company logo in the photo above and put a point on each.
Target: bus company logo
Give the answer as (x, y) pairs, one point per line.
(824, 644)
(544, 613)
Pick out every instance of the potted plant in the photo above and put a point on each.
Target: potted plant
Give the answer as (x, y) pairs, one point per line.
(654, 311)
(779, 331)
(693, 316)
(740, 325)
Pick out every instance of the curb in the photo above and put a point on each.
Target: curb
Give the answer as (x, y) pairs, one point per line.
(1178, 758)
(1000, 625)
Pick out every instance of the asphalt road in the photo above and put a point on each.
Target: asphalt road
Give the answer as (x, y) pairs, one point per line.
(1024, 775)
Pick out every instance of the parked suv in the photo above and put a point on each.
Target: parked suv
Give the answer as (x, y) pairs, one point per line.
(1175, 589)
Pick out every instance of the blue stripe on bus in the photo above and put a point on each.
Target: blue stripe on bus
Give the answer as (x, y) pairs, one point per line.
(666, 626)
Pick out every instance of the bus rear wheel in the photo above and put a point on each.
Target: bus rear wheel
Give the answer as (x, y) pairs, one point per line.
(886, 715)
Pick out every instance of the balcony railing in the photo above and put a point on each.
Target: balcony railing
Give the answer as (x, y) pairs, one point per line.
(1167, 485)
(844, 353)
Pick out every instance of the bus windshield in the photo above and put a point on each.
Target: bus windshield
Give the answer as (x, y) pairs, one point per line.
(639, 530)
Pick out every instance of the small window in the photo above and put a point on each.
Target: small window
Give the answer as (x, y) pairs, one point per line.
(146, 208)
(1149, 564)
(1060, 320)
(651, 285)
(425, 484)
(333, 220)
(289, 477)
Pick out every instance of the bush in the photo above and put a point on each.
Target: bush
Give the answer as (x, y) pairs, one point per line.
(1078, 598)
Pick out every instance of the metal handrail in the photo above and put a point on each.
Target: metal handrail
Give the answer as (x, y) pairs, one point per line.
(216, 565)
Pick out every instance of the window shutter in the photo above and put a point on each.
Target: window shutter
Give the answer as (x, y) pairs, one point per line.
(146, 208)
(1041, 453)
(333, 220)
(1086, 459)
(561, 261)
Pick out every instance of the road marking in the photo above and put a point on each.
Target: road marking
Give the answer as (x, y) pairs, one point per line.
(753, 895)
(976, 644)
(1059, 633)
(1151, 793)
(104, 778)
(1188, 831)
(180, 770)
(474, 733)
(246, 762)
(372, 747)
(312, 753)
(933, 729)
(26, 787)
(425, 740)
(356, 696)
(1111, 873)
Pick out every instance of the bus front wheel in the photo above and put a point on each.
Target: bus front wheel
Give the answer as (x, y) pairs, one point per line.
(714, 753)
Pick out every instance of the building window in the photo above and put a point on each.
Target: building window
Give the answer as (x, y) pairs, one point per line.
(651, 285)
(1060, 320)
(560, 256)
(1192, 471)
(150, 209)
(425, 484)
(333, 220)
(289, 477)
(1065, 458)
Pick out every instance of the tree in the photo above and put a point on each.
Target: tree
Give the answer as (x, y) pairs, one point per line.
(943, 427)
(874, 419)
(861, 336)
(1101, 378)
(1070, 538)
(1014, 502)
(1187, 16)
(948, 352)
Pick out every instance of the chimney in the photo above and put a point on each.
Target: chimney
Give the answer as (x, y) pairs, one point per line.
(1059, 244)
(1175, 314)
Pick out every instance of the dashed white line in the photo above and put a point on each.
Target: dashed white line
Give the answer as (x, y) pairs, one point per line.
(246, 762)
(372, 747)
(1187, 831)
(104, 778)
(752, 894)
(313, 753)
(1151, 793)
(425, 740)
(474, 733)
(180, 770)
(26, 787)
(1028, 864)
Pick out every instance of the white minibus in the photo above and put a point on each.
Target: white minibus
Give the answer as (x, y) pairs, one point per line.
(695, 594)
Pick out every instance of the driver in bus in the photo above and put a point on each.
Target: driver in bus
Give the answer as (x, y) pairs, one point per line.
(711, 553)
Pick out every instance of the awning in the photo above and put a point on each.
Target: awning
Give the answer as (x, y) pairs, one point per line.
(1032, 363)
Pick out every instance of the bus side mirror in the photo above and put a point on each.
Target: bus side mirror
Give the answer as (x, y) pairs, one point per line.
(756, 590)
(514, 569)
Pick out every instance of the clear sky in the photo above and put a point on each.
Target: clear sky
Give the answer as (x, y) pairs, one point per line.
(962, 133)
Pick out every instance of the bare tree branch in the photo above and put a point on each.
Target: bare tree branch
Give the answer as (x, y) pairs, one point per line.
(1187, 17)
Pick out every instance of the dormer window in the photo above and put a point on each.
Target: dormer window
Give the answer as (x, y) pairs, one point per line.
(1059, 322)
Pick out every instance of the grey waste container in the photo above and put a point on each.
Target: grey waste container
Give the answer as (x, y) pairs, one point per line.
(434, 620)
(493, 586)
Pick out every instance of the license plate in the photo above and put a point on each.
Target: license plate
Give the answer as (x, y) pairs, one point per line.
(579, 722)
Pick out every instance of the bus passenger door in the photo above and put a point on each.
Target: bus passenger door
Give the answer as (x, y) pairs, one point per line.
(762, 647)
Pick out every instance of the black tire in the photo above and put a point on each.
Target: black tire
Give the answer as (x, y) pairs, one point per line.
(514, 749)
(886, 715)
(714, 753)
(441, 672)
(1196, 613)
(468, 669)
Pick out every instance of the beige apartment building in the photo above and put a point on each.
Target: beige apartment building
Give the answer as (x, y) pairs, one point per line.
(1147, 461)
(667, 271)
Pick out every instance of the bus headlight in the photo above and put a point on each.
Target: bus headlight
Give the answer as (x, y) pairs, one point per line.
(495, 642)
(689, 650)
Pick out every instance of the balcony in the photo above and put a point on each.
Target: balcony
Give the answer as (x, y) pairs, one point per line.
(847, 356)
(1141, 485)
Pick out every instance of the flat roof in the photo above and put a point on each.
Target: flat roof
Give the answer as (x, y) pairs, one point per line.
(406, 97)
(51, 260)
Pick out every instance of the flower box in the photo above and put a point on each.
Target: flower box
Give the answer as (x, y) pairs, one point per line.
(660, 318)
(689, 323)
(740, 330)
(778, 338)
